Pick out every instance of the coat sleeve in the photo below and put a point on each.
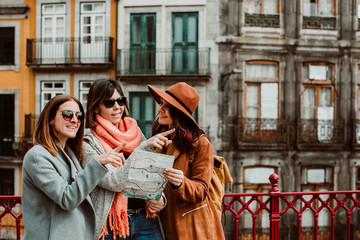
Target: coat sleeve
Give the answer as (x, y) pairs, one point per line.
(115, 179)
(39, 166)
(195, 188)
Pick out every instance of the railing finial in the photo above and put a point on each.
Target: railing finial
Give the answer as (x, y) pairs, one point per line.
(274, 179)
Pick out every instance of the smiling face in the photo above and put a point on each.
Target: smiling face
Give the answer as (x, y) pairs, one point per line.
(65, 129)
(114, 113)
(164, 113)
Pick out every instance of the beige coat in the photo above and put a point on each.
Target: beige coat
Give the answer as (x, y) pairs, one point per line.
(190, 213)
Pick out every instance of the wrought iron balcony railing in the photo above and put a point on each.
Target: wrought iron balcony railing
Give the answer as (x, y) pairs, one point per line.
(320, 131)
(163, 61)
(282, 215)
(262, 20)
(11, 225)
(266, 130)
(324, 23)
(69, 52)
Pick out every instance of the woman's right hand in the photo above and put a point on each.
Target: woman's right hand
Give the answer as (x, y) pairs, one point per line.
(160, 140)
(114, 156)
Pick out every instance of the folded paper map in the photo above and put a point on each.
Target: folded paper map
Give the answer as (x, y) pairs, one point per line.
(146, 179)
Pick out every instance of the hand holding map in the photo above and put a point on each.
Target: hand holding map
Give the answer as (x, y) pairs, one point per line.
(146, 179)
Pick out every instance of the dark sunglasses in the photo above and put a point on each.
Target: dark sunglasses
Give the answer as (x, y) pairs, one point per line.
(68, 115)
(109, 102)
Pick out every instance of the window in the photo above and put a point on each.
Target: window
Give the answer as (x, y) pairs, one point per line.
(93, 47)
(318, 99)
(262, 13)
(7, 128)
(185, 43)
(316, 179)
(142, 43)
(319, 8)
(358, 178)
(319, 14)
(256, 180)
(84, 91)
(357, 123)
(142, 107)
(7, 45)
(7, 183)
(50, 89)
(262, 6)
(261, 92)
(53, 33)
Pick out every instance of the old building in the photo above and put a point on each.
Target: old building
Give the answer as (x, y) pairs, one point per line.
(164, 42)
(289, 100)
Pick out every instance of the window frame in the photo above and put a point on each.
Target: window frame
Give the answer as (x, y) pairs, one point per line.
(185, 44)
(318, 9)
(52, 91)
(141, 122)
(261, 5)
(142, 45)
(248, 81)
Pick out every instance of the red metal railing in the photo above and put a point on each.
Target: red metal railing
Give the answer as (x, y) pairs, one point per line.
(8, 210)
(278, 203)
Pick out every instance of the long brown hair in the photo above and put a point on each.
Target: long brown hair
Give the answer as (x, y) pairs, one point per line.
(44, 135)
(185, 130)
(100, 90)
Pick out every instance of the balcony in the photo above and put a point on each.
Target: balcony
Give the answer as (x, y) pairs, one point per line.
(323, 23)
(184, 63)
(262, 20)
(263, 133)
(321, 134)
(278, 215)
(86, 53)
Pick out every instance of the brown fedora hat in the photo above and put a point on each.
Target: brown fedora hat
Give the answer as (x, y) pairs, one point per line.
(180, 95)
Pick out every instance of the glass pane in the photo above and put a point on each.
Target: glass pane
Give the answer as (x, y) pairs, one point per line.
(318, 72)
(87, 20)
(178, 59)
(307, 217)
(47, 22)
(261, 71)
(136, 30)
(48, 8)
(59, 8)
(87, 7)
(316, 175)
(326, 8)
(147, 131)
(309, 103)
(149, 108)
(358, 175)
(269, 100)
(47, 85)
(191, 59)
(252, 101)
(252, 6)
(99, 7)
(325, 97)
(258, 175)
(99, 20)
(248, 217)
(47, 96)
(150, 29)
(178, 29)
(270, 6)
(58, 85)
(135, 107)
(192, 29)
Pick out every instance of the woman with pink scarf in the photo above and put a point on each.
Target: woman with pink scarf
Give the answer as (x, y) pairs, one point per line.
(108, 126)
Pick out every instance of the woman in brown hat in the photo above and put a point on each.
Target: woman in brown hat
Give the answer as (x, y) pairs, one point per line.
(190, 213)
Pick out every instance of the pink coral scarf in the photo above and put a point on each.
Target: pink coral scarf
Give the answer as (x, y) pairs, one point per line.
(110, 137)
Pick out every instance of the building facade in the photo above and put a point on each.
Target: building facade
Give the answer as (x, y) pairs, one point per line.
(289, 98)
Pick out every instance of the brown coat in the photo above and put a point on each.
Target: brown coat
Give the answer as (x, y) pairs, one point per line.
(190, 213)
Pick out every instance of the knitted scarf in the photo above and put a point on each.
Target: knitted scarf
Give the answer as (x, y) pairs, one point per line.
(110, 137)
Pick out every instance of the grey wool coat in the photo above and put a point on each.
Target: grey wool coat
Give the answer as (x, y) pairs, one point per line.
(55, 196)
(114, 181)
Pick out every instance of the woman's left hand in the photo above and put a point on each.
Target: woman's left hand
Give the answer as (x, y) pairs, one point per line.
(175, 176)
(156, 205)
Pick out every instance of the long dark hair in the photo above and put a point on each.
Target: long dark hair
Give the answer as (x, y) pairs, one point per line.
(101, 89)
(185, 130)
(44, 134)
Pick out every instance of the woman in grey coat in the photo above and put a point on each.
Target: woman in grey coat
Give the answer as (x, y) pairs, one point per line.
(55, 195)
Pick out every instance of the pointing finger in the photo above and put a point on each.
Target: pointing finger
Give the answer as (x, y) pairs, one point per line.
(167, 132)
(121, 146)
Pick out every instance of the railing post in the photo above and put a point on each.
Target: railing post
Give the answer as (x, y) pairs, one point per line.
(274, 208)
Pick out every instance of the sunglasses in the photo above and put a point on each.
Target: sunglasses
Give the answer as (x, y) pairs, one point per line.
(68, 115)
(109, 102)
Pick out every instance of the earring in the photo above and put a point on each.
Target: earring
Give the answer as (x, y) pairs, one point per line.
(51, 123)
